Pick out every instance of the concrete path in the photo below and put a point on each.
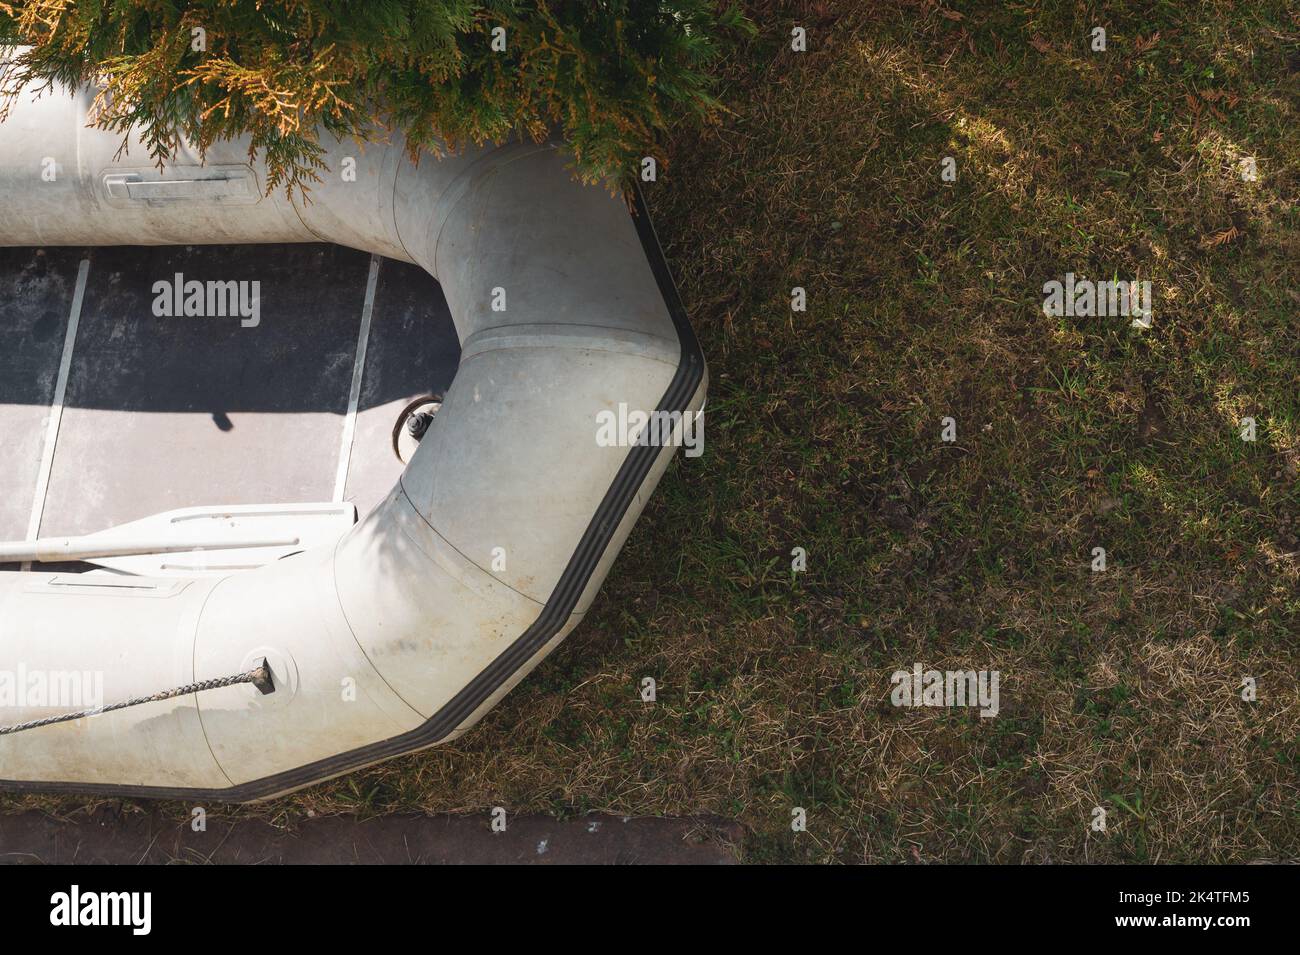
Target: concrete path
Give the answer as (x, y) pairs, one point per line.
(132, 838)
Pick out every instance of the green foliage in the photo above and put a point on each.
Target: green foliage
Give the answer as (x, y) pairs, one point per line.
(610, 74)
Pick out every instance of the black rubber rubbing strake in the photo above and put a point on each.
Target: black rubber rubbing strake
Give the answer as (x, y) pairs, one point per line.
(559, 606)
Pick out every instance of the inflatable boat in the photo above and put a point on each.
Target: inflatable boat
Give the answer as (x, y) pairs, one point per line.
(240, 648)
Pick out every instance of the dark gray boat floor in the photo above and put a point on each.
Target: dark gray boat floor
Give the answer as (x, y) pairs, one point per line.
(168, 412)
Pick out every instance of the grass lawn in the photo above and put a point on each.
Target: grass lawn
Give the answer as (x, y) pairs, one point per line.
(1119, 689)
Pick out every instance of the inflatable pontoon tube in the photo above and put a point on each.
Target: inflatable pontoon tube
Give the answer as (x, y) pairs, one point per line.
(403, 635)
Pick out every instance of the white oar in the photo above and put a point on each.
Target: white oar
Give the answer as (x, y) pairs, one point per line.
(50, 550)
(245, 536)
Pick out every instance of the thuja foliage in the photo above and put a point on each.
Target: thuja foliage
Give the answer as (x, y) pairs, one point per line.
(610, 75)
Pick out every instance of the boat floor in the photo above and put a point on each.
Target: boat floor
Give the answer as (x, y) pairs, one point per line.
(169, 412)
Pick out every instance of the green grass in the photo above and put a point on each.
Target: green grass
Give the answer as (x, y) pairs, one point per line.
(1120, 689)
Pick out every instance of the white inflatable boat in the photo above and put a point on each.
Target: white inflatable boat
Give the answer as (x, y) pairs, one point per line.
(245, 649)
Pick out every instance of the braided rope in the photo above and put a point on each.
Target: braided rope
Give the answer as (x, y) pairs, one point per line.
(259, 676)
